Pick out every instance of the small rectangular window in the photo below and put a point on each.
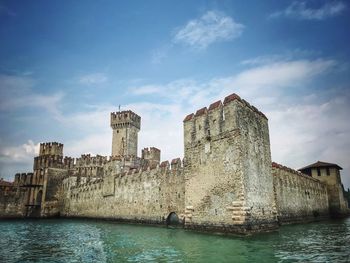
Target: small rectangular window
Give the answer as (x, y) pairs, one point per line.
(328, 172)
(318, 172)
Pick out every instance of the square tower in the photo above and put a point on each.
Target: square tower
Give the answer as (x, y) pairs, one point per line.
(125, 125)
(329, 173)
(227, 168)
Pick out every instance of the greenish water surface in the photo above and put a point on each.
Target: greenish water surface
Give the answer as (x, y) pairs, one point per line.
(64, 240)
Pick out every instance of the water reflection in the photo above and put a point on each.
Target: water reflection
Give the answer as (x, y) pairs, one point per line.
(89, 241)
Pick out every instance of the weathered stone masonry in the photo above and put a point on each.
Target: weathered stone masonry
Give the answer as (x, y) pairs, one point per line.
(225, 183)
(144, 195)
(298, 197)
(228, 168)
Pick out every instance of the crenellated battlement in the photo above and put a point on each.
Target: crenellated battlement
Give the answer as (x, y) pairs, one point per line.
(69, 162)
(176, 164)
(150, 156)
(125, 162)
(132, 176)
(218, 118)
(122, 119)
(125, 125)
(50, 155)
(46, 161)
(150, 153)
(51, 148)
(23, 179)
(218, 105)
(90, 166)
(88, 160)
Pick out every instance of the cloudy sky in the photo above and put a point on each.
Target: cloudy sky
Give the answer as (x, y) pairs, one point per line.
(65, 65)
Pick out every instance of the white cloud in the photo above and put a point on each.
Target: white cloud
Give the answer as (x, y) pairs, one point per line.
(147, 89)
(95, 143)
(16, 92)
(159, 54)
(211, 27)
(20, 153)
(177, 90)
(309, 130)
(252, 83)
(161, 127)
(300, 10)
(288, 55)
(303, 129)
(93, 79)
(18, 158)
(10, 84)
(282, 74)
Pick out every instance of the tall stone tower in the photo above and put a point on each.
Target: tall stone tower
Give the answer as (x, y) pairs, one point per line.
(227, 168)
(125, 125)
(42, 186)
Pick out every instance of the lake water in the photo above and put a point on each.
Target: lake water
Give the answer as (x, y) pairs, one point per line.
(64, 240)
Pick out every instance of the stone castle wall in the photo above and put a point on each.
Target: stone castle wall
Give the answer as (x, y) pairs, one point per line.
(225, 183)
(14, 196)
(51, 202)
(144, 195)
(298, 197)
(12, 200)
(228, 168)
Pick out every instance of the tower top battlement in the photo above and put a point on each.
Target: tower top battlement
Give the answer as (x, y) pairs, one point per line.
(122, 119)
(125, 125)
(51, 148)
(218, 104)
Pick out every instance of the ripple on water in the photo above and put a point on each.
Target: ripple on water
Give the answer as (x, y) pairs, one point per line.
(90, 241)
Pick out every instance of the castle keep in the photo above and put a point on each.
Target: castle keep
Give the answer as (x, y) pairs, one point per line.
(226, 181)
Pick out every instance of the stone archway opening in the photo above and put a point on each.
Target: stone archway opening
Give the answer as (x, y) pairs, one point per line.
(173, 219)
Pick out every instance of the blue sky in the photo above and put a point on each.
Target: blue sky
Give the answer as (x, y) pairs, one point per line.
(65, 65)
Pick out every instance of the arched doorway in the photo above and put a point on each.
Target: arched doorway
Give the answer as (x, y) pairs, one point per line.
(172, 219)
(38, 198)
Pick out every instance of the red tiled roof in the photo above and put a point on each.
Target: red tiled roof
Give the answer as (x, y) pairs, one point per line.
(215, 105)
(189, 117)
(276, 165)
(201, 111)
(164, 164)
(175, 161)
(231, 97)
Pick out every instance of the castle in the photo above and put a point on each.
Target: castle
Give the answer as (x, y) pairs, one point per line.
(226, 181)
